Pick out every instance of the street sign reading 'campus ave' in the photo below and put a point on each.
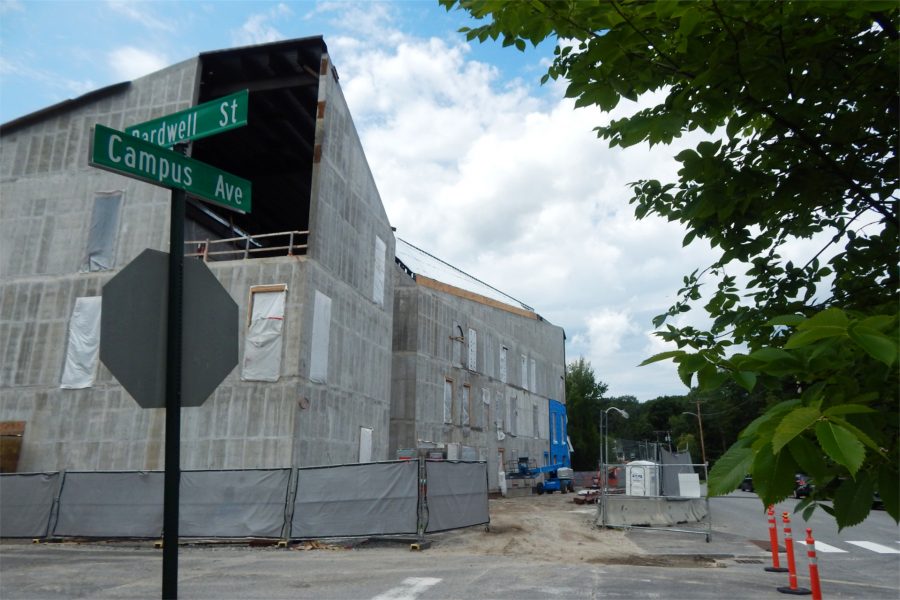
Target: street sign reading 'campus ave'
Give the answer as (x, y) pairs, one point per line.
(209, 118)
(133, 157)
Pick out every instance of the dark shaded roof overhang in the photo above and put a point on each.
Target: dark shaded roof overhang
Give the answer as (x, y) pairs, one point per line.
(276, 148)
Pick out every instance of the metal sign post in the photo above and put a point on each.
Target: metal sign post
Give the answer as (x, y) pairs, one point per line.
(173, 398)
(140, 154)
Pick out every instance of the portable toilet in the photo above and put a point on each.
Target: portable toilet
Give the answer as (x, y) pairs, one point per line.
(642, 478)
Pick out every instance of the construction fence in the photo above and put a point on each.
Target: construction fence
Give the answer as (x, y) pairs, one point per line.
(357, 500)
(665, 494)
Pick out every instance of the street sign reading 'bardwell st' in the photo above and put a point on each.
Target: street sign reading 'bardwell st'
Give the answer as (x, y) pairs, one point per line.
(131, 156)
(209, 118)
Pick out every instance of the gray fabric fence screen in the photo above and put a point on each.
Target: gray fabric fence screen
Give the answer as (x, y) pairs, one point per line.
(673, 463)
(457, 495)
(340, 501)
(233, 504)
(26, 503)
(110, 504)
(356, 500)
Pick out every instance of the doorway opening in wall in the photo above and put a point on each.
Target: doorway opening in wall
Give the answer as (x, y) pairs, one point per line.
(11, 434)
(275, 150)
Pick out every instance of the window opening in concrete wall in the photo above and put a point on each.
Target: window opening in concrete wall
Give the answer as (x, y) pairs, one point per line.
(524, 371)
(499, 410)
(321, 335)
(365, 444)
(504, 351)
(465, 406)
(378, 282)
(456, 341)
(512, 415)
(488, 354)
(263, 342)
(100, 253)
(535, 419)
(533, 374)
(473, 350)
(484, 415)
(448, 401)
(83, 348)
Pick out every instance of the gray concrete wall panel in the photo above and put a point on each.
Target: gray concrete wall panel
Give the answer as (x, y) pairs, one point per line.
(346, 212)
(424, 359)
(48, 186)
(47, 194)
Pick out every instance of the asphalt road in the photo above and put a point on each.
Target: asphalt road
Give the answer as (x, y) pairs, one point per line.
(390, 571)
(864, 558)
(48, 571)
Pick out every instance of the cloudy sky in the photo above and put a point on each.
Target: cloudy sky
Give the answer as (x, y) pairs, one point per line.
(476, 162)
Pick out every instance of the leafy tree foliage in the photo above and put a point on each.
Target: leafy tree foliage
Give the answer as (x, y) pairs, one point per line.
(584, 398)
(799, 101)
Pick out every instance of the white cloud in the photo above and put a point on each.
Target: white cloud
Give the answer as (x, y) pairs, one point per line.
(129, 62)
(519, 192)
(139, 12)
(259, 28)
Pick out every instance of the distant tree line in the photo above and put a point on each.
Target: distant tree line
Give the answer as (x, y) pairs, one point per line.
(724, 412)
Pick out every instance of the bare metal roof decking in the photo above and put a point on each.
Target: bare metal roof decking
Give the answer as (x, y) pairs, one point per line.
(425, 267)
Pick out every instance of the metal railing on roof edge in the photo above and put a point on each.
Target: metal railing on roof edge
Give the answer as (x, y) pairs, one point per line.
(244, 247)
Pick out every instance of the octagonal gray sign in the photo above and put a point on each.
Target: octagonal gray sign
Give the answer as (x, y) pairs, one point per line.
(133, 330)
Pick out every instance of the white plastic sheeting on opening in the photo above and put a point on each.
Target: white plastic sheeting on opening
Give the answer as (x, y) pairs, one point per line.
(365, 444)
(378, 272)
(262, 347)
(100, 254)
(321, 335)
(83, 349)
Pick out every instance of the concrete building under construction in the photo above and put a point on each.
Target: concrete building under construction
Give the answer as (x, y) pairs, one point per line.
(350, 349)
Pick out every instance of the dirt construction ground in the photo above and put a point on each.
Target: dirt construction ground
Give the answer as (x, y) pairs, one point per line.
(548, 527)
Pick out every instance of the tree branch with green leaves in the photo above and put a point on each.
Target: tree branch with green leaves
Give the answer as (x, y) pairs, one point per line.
(799, 102)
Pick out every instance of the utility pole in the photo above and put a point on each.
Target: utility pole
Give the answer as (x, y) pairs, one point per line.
(700, 425)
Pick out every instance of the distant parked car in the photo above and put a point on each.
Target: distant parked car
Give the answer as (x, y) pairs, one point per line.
(877, 502)
(746, 484)
(803, 486)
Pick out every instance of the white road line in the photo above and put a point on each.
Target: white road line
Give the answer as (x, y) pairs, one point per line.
(410, 588)
(823, 547)
(875, 547)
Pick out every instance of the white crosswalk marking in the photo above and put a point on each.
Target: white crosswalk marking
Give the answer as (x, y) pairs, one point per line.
(409, 589)
(823, 547)
(875, 547)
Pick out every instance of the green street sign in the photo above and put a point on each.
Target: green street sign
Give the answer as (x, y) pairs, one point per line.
(133, 157)
(209, 118)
